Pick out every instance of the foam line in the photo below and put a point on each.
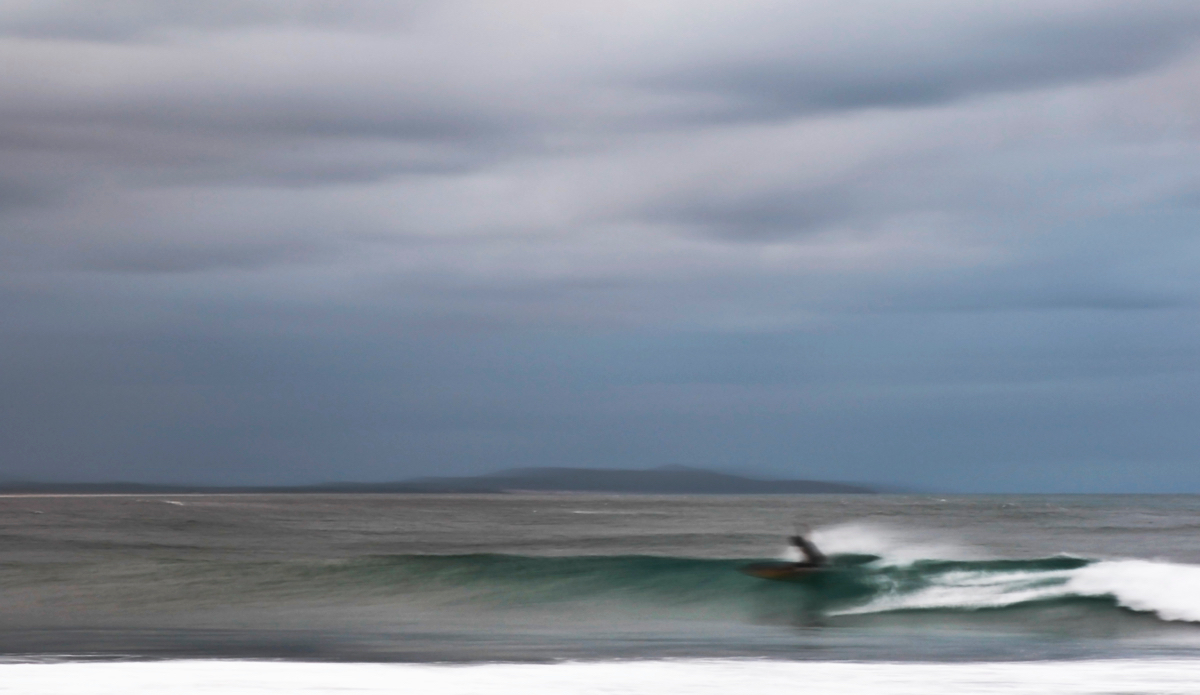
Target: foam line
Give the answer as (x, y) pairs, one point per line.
(681, 677)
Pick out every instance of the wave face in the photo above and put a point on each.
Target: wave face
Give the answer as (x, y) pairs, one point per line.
(855, 584)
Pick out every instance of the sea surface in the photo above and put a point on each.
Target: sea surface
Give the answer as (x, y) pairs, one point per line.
(566, 593)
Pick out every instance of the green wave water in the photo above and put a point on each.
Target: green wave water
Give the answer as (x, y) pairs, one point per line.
(853, 585)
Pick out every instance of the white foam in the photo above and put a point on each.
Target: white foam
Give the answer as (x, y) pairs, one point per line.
(974, 590)
(680, 677)
(1168, 590)
(605, 512)
(894, 546)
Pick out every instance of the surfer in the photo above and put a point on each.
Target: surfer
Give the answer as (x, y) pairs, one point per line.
(814, 563)
(812, 556)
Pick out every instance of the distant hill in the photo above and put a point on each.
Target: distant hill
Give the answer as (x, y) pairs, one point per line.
(667, 480)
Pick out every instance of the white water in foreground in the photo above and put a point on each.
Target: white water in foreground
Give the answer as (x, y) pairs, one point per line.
(676, 677)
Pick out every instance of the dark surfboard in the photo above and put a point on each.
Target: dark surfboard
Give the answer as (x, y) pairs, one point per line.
(780, 570)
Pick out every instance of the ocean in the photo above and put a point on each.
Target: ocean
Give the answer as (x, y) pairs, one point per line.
(568, 593)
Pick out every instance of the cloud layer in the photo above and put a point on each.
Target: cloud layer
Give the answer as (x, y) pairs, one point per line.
(936, 244)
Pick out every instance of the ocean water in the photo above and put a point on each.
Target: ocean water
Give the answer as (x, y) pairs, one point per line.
(597, 594)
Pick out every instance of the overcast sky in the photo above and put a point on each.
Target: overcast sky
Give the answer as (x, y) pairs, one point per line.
(949, 245)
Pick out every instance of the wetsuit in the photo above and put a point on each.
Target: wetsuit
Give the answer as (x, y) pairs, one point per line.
(812, 556)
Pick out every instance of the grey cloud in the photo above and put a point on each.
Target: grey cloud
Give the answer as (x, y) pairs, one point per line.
(1053, 285)
(17, 194)
(126, 20)
(192, 120)
(315, 111)
(760, 216)
(184, 258)
(265, 134)
(938, 64)
(1042, 297)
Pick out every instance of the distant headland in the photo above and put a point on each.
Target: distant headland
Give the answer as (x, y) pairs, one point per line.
(665, 480)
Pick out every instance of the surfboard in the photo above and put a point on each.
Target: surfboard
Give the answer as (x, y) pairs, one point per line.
(779, 570)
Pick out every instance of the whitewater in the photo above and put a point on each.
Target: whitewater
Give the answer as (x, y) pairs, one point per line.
(681, 677)
(1167, 590)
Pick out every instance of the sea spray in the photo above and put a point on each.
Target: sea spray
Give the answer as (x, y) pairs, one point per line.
(895, 545)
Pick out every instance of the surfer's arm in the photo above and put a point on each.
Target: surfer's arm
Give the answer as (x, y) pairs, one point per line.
(812, 555)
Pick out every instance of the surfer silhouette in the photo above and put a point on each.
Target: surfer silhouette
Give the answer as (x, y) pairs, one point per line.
(814, 563)
(812, 556)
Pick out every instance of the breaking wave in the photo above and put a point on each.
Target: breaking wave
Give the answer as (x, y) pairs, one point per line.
(855, 584)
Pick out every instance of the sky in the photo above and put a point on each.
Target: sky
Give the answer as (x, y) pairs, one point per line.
(942, 245)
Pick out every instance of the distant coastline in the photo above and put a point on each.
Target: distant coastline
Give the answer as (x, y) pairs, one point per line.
(666, 480)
